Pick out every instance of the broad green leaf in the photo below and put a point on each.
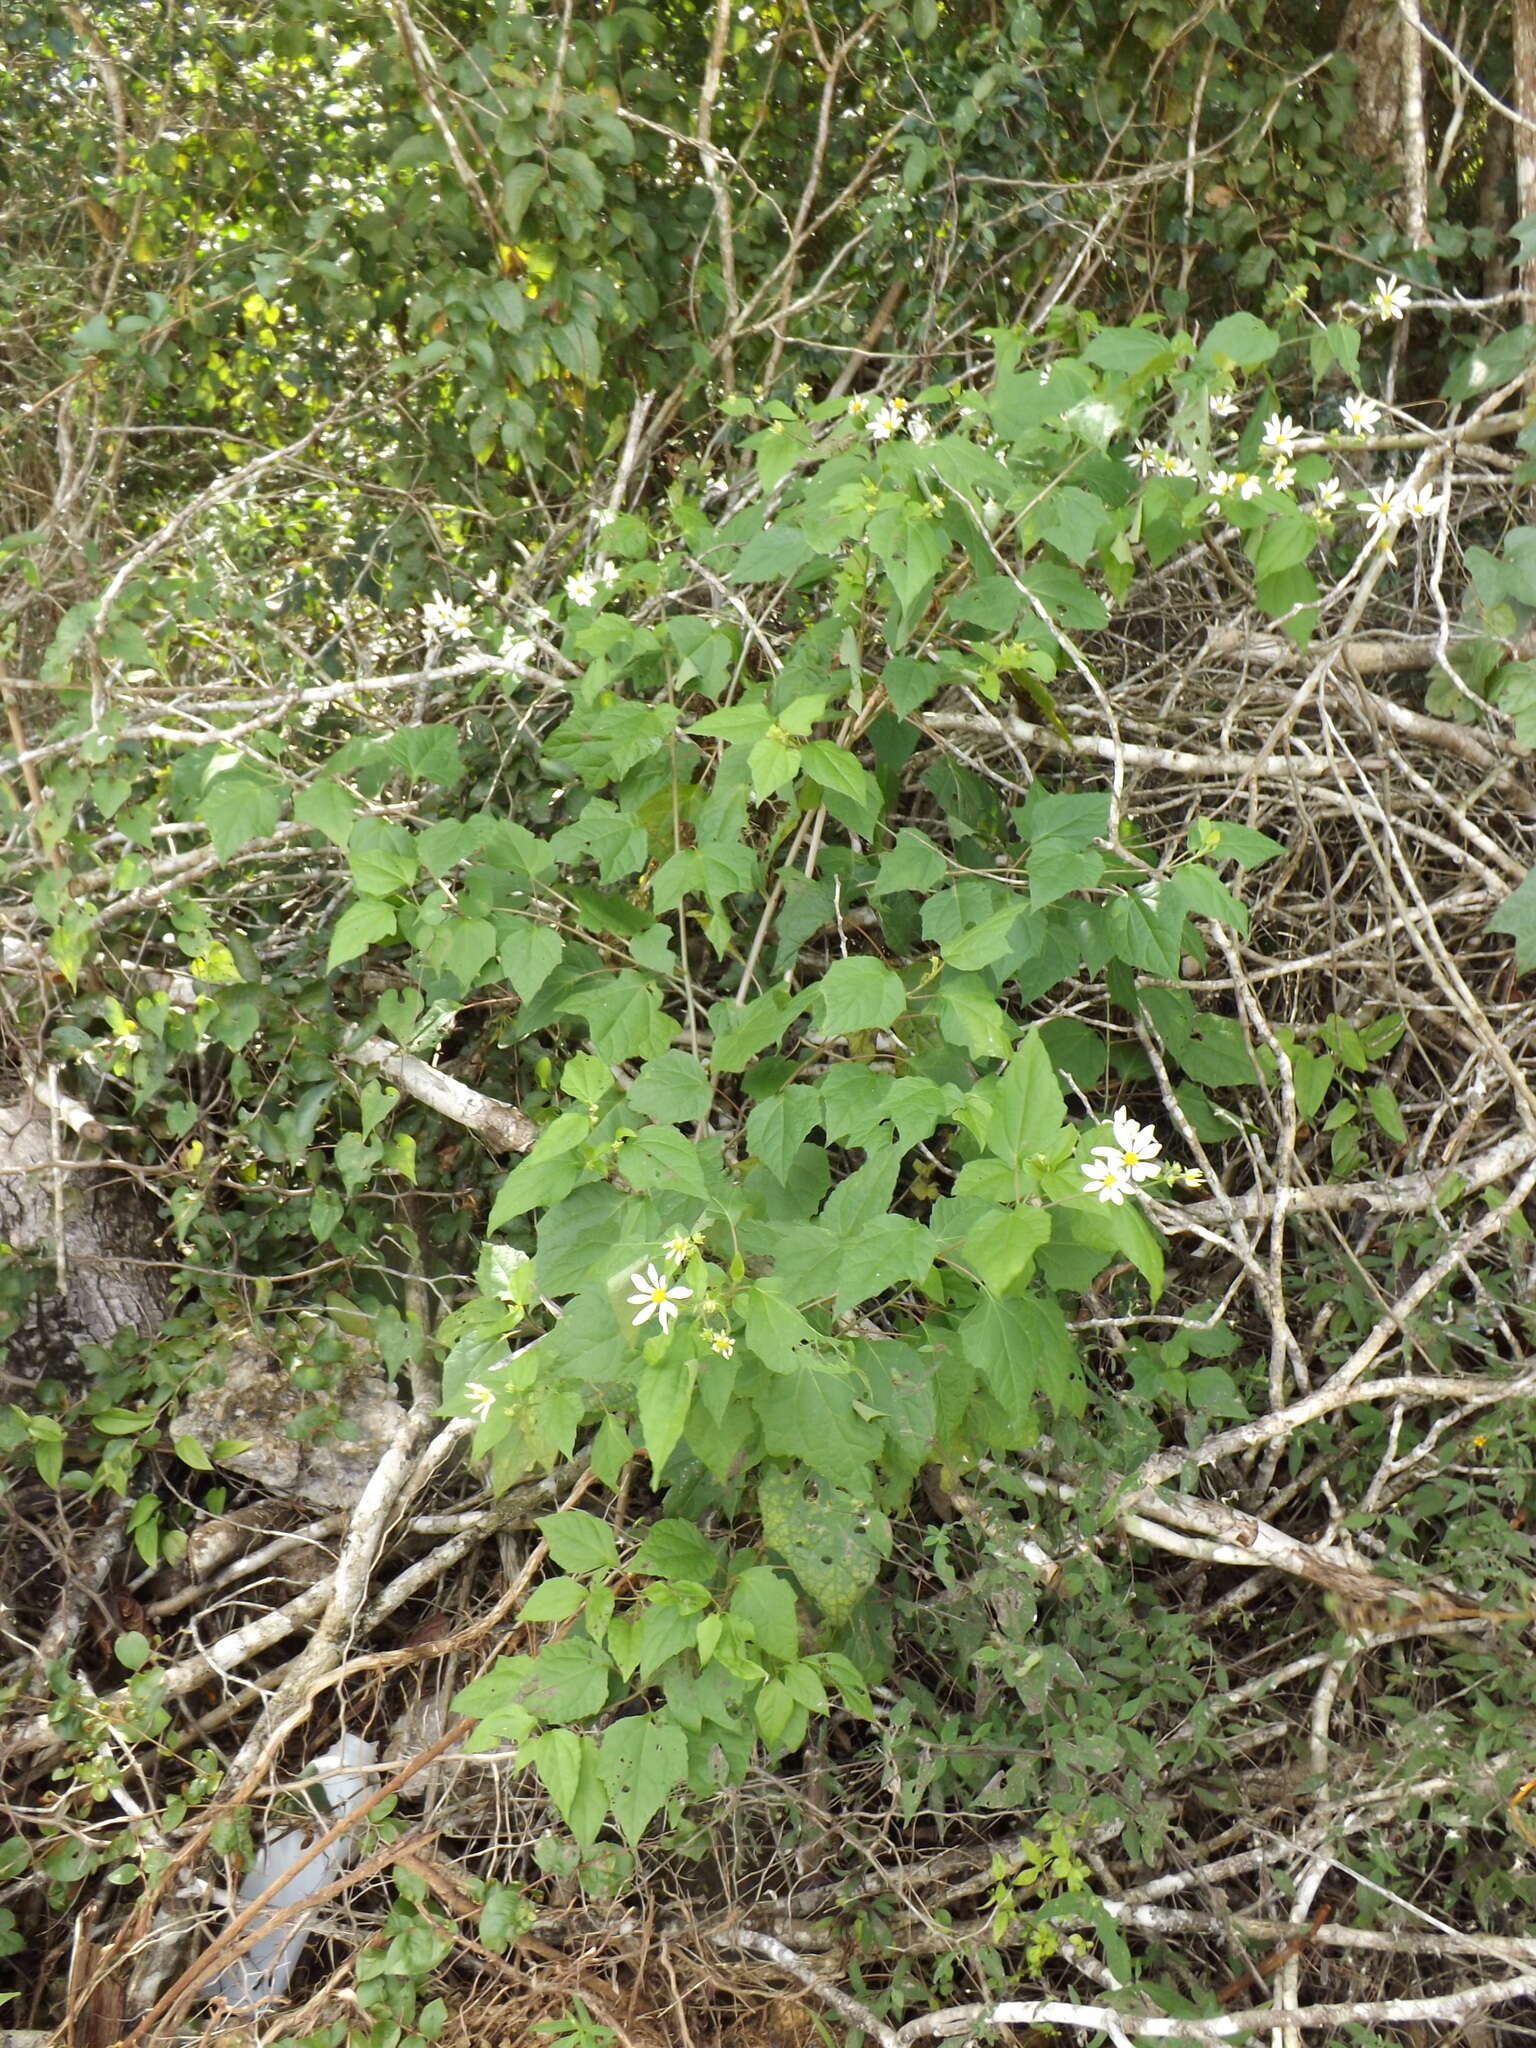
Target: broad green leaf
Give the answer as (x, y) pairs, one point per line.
(831, 1540)
(239, 806)
(382, 857)
(913, 863)
(329, 807)
(528, 954)
(671, 1089)
(1516, 917)
(777, 1128)
(765, 1601)
(642, 1761)
(663, 1396)
(741, 1033)
(675, 1549)
(857, 995)
(567, 1764)
(579, 1542)
(1224, 839)
(1028, 1110)
(1242, 340)
(810, 1415)
(660, 1156)
(361, 925)
(1002, 1249)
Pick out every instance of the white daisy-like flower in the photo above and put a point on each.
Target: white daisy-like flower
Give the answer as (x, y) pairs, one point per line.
(1224, 405)
(802, 390)
(445, 620)
(1248, 486)
(1359, 415)
(1145, 457)
(1179, 465)
(919, 427)
(1381, 506)
(858, 405)
(1190, 1177)
(653, 1297)
(608, 573)
(1328, 496)
(1389, 300)
(884, 422)
(719, 1343)
(1283, 475)
(582, 587)
(1282, 437)
(1415, 502)
(517, 650)
(1137, 1146)
(1102, 1176)
(487, 585)
(681, 1247)
(480, 1399)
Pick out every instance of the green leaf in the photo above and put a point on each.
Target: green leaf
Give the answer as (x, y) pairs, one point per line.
(914, 863)
(579, 1542)
(329, 807)
(553, 1600)
(1223, 839)
(1282, 544)
(672, 1089)
(528, 955)
(982, 945)
(1002, 1249)
(663, 1397)
(1028, 1110)
(642, 1761)
(1516, 917)
(765, 1601)
(831, 1541)
(840, 774)
(675, 1549)
(1128, 349)
(810, 1415)
(382, 857)
(1240, 339)
(662, 1157)
(777, 1128)
(548, 1173)
(568, 1767)
(239, 806)
(361, 925)
(132, 1650)
(626, 1018)
(428, 752)
(775, 553)
(857, 995)
(970, 1017)
(740, 1034)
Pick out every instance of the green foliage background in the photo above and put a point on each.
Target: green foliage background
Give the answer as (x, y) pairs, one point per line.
(455, 596)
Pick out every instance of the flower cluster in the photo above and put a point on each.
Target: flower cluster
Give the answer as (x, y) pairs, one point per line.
(658, 1294)
(445, 620)
(1116, 1170)
(587, 586)
(890, 418)
(1135, 1157)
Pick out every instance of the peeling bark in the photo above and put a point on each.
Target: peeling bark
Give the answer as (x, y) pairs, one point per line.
(94, 1226)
